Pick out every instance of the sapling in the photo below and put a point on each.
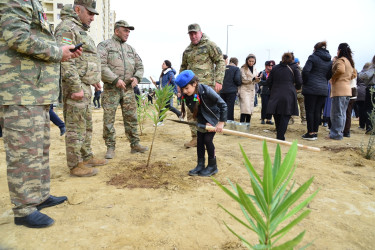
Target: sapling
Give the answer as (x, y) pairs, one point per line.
(271, 202)
(142, 110)
(369, 151)
(159, 111)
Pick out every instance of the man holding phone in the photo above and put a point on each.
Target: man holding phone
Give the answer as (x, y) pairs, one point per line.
(29, 84)
(77, 77)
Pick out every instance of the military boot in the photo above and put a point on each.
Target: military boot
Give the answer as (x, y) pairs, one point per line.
(138, 148)
(192, 143)
(211, 168)
(199, 167)
(95, 162)
(82, 171)
(110, 153)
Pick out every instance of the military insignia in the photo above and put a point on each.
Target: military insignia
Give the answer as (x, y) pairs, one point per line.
(67, 38)
(93, 5)
(82, 32)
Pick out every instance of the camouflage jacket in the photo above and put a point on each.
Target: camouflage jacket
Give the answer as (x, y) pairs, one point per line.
(119, 61)
(78, 73)
(205, 60)
(29, 55)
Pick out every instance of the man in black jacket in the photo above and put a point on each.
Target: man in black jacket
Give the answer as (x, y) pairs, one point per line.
(232, 80)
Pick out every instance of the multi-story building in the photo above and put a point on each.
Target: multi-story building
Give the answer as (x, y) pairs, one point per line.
(101, 28)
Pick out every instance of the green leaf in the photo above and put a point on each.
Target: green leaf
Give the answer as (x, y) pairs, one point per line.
(300, 206)
(245, 201)
(292, 199)
(276, 162)
(250, 167)
(260, 198)
(238, 236)
(267, 176)
(290, 244)
(286, 165)
(254, 229)
(226, 190)
(292, 224)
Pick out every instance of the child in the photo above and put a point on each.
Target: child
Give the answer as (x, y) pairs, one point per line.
(207, 108)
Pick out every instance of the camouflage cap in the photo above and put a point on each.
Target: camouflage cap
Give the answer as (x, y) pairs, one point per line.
(194, 27)
(124, 24)
(90, 5)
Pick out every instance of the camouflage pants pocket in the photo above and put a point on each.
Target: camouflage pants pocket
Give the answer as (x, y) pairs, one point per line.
(26, 139)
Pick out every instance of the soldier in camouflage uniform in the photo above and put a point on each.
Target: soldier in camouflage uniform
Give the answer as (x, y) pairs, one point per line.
(78, 75)
(205, 59)
(122, 70)
(29, 83)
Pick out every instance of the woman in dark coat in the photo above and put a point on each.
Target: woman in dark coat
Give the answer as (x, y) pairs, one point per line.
(315, 75)
(283, 81)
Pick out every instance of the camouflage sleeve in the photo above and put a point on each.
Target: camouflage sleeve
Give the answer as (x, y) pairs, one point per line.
(15, 21)
(107, 75)
(69, 72)
(138, 67)
(184, 63)
(217, 57)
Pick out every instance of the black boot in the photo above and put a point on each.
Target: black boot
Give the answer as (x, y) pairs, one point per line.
(211, 168)
(198, 168)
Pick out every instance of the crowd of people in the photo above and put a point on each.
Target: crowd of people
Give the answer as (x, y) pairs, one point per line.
(206, 87)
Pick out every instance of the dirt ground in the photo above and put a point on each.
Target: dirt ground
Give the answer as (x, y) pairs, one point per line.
(128, 206)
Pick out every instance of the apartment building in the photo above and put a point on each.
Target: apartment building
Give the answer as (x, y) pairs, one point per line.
(101, 28)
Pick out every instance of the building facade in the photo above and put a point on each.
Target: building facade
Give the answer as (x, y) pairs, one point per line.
(101, 28)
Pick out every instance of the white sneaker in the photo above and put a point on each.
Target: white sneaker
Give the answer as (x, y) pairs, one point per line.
(159, 124)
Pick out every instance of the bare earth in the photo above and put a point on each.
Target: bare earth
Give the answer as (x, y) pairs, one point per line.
(127, 206)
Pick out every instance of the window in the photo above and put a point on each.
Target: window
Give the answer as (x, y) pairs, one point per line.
(60, 6)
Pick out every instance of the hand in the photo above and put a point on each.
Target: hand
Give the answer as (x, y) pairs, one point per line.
(77, 96)
(67, 54)
(218, 87)
(134, 81)
(219, 127)
(120, 84)
(97, 86)
(178, 94)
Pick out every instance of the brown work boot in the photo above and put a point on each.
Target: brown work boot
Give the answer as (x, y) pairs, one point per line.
(82, 171)
(138, 149)
(110, 153)
(192, 143)
(95, 162)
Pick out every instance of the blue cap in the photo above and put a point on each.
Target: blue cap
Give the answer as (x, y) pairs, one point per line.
(184, 78)
(296, 60)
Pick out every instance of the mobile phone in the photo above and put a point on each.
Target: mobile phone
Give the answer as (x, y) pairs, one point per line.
(76, 47)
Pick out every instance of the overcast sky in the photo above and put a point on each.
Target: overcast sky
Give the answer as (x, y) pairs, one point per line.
(264, 28)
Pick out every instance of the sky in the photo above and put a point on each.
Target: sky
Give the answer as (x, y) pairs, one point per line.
(266, 28)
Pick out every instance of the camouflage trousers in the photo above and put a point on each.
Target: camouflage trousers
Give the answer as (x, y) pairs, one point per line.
(110, 101)
(26, 132)
(301, 103)
(78, 123)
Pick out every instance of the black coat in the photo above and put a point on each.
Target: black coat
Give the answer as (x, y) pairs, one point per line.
(283, 84)
(232, 79)
(212, 107)
(316, 73)
(263, 83)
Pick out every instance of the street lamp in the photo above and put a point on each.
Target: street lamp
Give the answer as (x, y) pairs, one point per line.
(227, 37)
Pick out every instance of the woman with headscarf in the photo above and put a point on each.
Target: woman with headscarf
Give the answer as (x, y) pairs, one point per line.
(343, 72)
(283, 81)
(249, 77)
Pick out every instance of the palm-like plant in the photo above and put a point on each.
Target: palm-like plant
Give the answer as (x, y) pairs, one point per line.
(271, 204)
(159, 111)
(142, 110)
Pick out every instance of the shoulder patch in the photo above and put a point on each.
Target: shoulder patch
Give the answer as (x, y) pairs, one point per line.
(67, 38)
